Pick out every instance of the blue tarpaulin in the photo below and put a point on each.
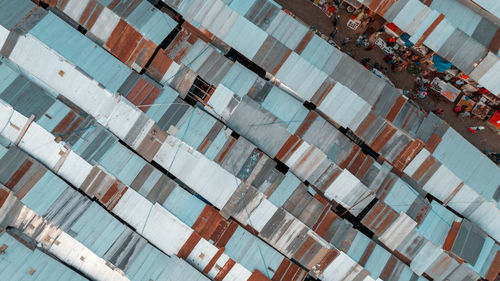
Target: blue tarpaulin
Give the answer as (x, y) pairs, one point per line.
(440, 64)
(406, 38)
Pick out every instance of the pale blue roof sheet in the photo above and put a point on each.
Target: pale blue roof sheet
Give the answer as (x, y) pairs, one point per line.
(81, 51)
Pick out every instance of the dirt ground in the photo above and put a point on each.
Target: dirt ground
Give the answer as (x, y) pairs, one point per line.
(486, 139)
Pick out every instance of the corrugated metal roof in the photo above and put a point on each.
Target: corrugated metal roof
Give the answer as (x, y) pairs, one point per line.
(458, 14)
(297, 226)
(243, 248)
(12, 13)
(18, 262)
(79, 50)
(151, 22)
(473, 167)
(491, 6)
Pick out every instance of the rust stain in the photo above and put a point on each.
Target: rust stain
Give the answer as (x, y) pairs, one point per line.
(73, 127)
(452, 235)
(322, 216)
(303, 159)
(116, 199)
(123, 41)
(87, 12)
(409, 152)
(93, 18)
(150, 98)
(384, 188)
(494, 45)
(494, 270)
(389, 218)
(306, 124)
(348, 159)
(207, 37)
(113, 4)
(225, 270)
(321, 199)
(189, 245)
(303, 43)
(110, 193)
(134, 92)
(224, 232)
(327, 259)
(322, 92)
(323, 227)
(280, 64)
(356, 164)
(382, 139)
(204, 145)
(424, 167)
(364, 167)
(429, 30)
(366, 124)
(290, 146)
(328, 182)
(291, 272)
(304, 248)
(212, 262)
(282, 270)
(51, 3)
(374, 5)
(366, 255)
(385, 6)
(65, 122)
(433, 142)
(258, 276)
(373, 214)
(18, 175)
(396, 108)
(3, 196)
(179, 39)
(388, 268)
(223, 153)
(207, 222)
(159, 66)
(142, 53)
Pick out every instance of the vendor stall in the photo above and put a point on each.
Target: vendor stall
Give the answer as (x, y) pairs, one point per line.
(466, 103)
(326, 6)
(481, 110)
(445, 89)
(495, 120)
